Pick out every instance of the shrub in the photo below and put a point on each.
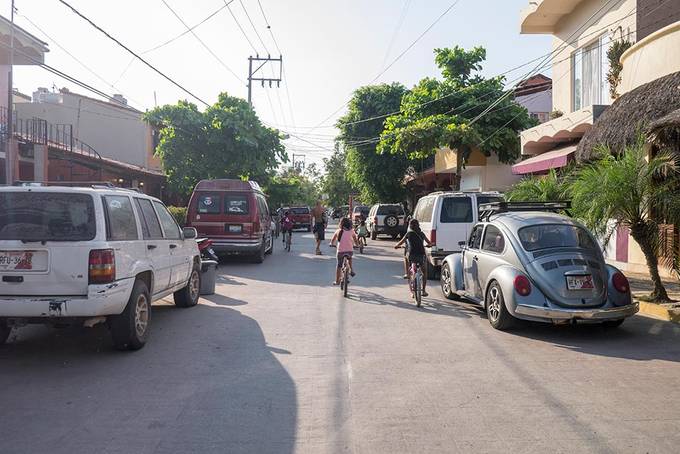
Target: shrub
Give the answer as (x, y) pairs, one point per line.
(180, 214)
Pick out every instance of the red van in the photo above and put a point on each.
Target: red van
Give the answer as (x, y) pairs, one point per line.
(234, 215)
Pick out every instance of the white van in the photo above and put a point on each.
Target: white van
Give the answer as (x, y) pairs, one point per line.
(447, 218)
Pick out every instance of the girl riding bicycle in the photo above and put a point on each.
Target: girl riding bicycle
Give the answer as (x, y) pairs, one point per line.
(362, 231)
(287, 225)
(415, 250)
(346, 239)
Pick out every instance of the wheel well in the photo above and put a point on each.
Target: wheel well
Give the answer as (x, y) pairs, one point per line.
(486, 290)
(147, 278)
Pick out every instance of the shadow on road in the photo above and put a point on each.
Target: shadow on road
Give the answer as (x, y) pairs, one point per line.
(429, 305)
(206, 382)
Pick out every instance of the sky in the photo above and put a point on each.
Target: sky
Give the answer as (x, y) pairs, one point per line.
(329, 48)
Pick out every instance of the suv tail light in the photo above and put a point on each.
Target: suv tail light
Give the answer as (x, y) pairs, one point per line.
(375, 220)
(102, 266)
(433, 236)
(522, 285)
(620, 282)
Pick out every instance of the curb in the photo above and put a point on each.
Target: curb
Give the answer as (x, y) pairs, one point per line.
(659, 312)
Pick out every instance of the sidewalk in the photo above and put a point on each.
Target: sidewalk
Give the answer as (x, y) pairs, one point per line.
(641, 285)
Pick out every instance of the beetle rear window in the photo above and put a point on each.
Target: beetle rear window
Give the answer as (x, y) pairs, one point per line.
(46, 216)
(548, 236)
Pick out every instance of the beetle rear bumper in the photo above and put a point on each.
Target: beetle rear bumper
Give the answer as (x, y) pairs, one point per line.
(610, 313)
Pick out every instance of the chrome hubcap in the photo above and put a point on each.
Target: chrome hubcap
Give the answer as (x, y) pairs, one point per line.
(494, 304)
(391, 222)
(141, 315)
(194, 285)
(446, 281)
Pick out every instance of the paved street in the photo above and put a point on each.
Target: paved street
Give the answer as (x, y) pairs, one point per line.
(278, 362)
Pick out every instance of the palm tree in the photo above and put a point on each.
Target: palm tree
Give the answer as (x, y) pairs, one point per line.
(634, 192)
(546, 188)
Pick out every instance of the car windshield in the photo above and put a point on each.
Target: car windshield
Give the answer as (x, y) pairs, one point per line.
(303, 210)
(46, 216)
(397, 210)
(548, 236)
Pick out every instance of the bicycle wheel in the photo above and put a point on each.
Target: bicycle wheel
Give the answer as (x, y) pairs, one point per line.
(345, 280)
(418, 284)
(288, 241)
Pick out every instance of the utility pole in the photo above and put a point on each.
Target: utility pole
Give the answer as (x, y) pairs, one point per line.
(303, 160)
(252, 73)
(9, 150)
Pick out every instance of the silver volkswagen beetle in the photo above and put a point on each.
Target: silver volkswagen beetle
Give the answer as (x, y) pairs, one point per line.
(526, 261)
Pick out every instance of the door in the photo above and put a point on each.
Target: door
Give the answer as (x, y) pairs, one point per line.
(454, 219)
(491, 254)
(157, 247)
(180, 259)
(470, 263)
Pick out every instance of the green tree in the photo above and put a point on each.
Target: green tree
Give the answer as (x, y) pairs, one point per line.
(290, 187)
(377, 176)
(634, 192)
(546, 188)
(448, 113)
(335, 183)
(227, 140)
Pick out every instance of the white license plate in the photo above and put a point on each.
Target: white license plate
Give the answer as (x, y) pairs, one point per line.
(234, 229)
(580, 282)
(22, 261)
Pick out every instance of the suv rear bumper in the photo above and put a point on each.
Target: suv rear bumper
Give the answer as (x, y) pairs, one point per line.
(108, 299)
(436, 258)
(236, 246)
(384, 230)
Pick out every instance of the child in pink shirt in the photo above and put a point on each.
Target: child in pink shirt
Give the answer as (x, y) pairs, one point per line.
(346, 239)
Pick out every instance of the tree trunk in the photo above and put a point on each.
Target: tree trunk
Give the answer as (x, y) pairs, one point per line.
(659, 293)
(459, 168)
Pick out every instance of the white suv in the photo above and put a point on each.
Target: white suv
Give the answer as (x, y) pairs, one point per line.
(386, 219)
(91, 255)
(447, 218)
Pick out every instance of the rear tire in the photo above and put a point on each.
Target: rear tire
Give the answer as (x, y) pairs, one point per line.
(418, 289)
(130, 330)
(345, 284)
(259, 256)
(188, 296)
(431, 270)
(447, 283)
(497, 313)
(613, 324)
(309, 228)
(5, 331)
(271, 246)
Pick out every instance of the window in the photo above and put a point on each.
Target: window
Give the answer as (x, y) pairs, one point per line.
(547, 236)
(236, 204)
(493, 240)
(482, 199)
(120, 218)
(476, 236)
(151, 228)
(424, 209)
(456, 210)
(168, 222)
(303, 210)
(48, 216)
(589, 74)
(395, 210)
(208, 204)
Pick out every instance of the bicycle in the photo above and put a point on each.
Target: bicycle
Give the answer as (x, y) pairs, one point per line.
(344, 274)
(415, 282)
(288, 236)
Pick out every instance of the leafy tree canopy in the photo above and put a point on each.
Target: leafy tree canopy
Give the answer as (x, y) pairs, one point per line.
(293, 187)
(439, 113)
(376, 176)
(335, 183)
(227, 140)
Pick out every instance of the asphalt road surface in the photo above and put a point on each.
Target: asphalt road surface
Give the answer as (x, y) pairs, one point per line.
(278, 362)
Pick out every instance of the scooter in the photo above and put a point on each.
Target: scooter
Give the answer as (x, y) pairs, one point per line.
(206, 250)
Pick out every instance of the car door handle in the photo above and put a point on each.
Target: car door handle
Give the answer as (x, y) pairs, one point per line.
(151, 246)
(173, 246)
(475, 258)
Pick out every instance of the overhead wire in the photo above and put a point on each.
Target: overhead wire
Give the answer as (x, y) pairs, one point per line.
(397, 29)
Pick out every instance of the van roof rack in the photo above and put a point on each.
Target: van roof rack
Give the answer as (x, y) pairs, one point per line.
(487, 209)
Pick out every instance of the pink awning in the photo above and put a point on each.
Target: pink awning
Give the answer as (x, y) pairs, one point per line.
(550, 160)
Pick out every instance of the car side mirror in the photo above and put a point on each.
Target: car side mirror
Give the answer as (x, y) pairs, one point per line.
(462, 244)
(189, 233)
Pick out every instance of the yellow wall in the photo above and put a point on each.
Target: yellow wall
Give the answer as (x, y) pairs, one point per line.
(561, 71)
(655, 56)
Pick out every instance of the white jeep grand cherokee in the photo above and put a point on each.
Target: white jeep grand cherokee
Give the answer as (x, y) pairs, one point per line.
(91, 255)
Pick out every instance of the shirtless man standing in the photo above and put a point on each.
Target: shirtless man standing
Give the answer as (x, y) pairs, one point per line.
(319, 214)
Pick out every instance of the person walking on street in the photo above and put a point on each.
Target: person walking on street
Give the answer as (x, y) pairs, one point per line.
(319, 214)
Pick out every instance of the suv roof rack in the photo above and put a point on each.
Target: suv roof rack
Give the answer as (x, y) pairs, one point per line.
(487, 209)
(83, 184)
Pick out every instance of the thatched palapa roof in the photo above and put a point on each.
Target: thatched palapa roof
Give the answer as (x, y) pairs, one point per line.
(633, 114)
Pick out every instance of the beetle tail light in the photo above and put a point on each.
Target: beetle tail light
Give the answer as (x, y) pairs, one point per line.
(101, 266)
(620, 282)
(433, 236)
(522, 285)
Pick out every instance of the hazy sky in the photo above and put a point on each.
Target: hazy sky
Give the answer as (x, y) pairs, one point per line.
(329, 49)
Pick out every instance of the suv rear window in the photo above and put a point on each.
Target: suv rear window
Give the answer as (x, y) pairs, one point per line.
(236, 204)
(46, 216)
(208, 204)
(299, 210)
(456, 210)
(396, 210)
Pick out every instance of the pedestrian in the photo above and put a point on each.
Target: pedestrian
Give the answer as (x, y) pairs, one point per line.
(319, 215)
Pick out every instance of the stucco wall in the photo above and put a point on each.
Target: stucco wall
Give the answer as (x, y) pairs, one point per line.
(573, 24)
(113, 132)
(655, 56)
(493, 176)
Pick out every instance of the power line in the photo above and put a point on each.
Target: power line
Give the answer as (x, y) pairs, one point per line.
(243, 32)
(397, 29)
(205, 46)
(108, 35)
(253, 26)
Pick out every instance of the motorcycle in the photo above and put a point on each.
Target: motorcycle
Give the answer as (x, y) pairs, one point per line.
(206, 250)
